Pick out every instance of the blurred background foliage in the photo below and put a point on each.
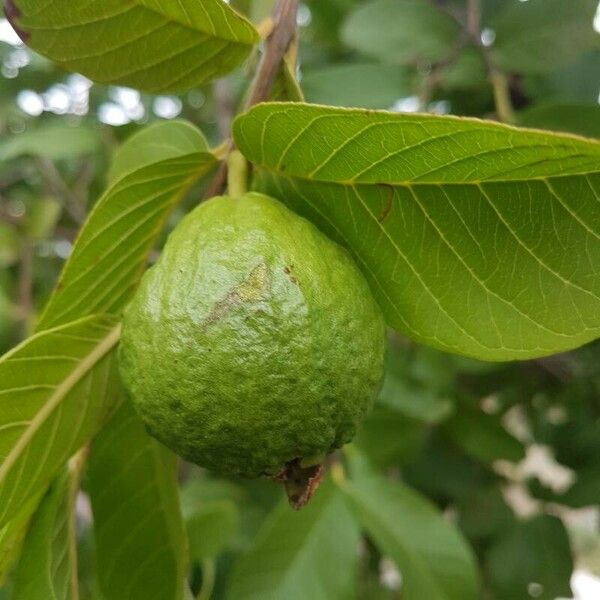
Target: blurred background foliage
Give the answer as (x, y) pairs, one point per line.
(509, 452)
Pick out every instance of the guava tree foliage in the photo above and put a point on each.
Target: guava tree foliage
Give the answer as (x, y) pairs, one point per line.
(480, 241)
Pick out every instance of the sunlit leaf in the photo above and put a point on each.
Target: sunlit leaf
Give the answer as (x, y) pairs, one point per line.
(153, 45)
(476, 238)
(56, 389)
(112, 248)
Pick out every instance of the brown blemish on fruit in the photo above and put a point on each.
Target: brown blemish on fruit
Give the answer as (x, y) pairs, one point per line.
(250, 290)
(291, 277)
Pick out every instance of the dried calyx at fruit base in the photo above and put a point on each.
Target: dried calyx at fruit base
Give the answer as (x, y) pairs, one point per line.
(253, 346)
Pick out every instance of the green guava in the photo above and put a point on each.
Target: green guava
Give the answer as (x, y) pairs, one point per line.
(254, 342)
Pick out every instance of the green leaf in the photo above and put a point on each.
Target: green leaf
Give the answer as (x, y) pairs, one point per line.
(401, 32)
(586, 489)
(112, 248)
(543, 35)
(291, 558)
(211, 528)
(356, 84)
(477, 238)
(583, 119)
(12, 536)
(482, 436)
(42, 217)
(56, 389)
(48, 564)
(535, 551)
(151, 45)
(56, 141)
(9, 245)
(388, 437)
(157, 142)
(434, 560)
(141, 550)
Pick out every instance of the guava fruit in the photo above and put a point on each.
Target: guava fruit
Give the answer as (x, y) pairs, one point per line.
(254, 342)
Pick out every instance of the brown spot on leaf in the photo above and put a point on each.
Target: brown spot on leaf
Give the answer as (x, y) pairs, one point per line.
(390, 199)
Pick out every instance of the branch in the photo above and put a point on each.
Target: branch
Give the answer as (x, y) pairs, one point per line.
(276, 44)
(284, 28)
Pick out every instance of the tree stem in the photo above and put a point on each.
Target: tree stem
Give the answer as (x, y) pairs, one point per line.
(237, 174)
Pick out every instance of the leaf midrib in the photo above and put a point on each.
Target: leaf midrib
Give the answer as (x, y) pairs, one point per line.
(411, 184)
(99, 351)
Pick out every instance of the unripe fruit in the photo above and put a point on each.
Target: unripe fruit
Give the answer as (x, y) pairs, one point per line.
(254, 342)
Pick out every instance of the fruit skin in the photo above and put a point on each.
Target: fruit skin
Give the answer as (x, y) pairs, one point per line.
(253, 341)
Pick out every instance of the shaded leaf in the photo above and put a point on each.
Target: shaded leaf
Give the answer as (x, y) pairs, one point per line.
(56, 389)
(141, 550)
(434, 560)
(482, 436)
(48, 564)
(390, 437)
(476, 238)
(532, 552)
(586, 489)
(400, 32)
(543, 35)
(112, 248)
(12, 536)
(151, 45)
(583, 119)
(211, 528)
(356, 84)
(291, 556)
(57, 141)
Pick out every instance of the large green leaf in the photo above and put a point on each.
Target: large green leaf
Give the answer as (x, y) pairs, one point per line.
(401, 32)
(48, 564)
(291, 558)
(543, 35)
(112, 248)
(153, 45)
(56, 389)
(476, 238)
(141, 550)
(434, 560)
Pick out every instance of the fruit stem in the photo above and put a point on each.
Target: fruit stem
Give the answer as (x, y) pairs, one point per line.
(237, 174)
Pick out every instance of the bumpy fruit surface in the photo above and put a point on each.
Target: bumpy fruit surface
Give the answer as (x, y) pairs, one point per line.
(253, 342)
